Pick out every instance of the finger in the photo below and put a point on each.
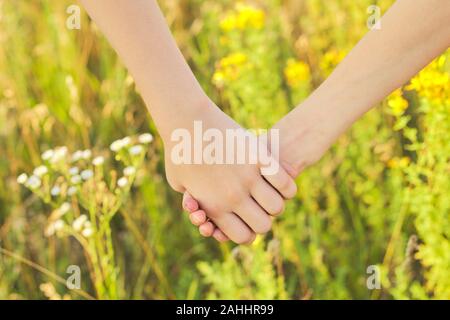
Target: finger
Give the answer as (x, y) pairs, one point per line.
(282, 182)
(198, 217)
(206, 229)
(254, 216)
(267, 197)
(189, 203)
(279, 174)
(234, 228)
(220, 236)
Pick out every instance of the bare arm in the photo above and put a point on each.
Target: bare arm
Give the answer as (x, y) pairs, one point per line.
(236, 197)
(138, 32)
(412, 34)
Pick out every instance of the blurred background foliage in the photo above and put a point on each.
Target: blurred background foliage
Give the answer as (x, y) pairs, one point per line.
(380, 196)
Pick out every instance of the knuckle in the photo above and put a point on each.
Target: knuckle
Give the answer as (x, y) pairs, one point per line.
(234, 196)
(250, 180)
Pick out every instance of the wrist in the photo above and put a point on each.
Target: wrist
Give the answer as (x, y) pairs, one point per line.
(307, 132)
(181, 114)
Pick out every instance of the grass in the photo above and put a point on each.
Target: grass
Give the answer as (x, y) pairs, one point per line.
(379, 197)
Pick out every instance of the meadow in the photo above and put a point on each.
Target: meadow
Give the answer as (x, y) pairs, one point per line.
(82, 178)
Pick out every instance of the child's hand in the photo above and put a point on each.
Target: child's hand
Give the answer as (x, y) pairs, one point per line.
(237, 197)
(198, 218)
(300, 147)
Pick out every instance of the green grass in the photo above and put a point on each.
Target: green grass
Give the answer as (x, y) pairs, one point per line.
(360, 206)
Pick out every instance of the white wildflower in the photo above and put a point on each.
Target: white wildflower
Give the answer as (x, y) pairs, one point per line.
(75, 179)
(77, 155)
(64, 208)
(135, 150)
(71, 191)
(33, 182)
(116, 145)
(49, 230)
(129, 171)
(79, 222)
(145, 138)
(73, 171)
(58, 225)
(59, 154)
(119, 144)
(126, 141)
(40, 171)
(98, 161)
(87, 174)
(87, 154)
(87, 232)
(21, 179)
(122, 182)
(55, 191)
(47, 155)
(63, 150)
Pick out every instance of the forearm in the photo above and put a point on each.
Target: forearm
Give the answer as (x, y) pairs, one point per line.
(138, 32)
(413, 33)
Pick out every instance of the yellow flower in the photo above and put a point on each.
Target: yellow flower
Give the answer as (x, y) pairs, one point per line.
(218, 78)
(243, 17)
(400, 163)
(229, 68)
(234, 59)
(228, 23)
(296, 72)
(432, 82)
(249, 16)
(397, 103)
(330, 60)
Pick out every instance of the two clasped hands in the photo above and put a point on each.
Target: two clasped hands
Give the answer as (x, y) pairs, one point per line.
(238, 199)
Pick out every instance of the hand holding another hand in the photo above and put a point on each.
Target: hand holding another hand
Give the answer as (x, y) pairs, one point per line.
(300, 146)
(237, 197)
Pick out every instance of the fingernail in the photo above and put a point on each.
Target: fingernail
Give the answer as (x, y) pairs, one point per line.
(191, 205)
(196, 218)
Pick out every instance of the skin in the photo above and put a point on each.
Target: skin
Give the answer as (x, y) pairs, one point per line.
(239, 199)
(412, 34)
